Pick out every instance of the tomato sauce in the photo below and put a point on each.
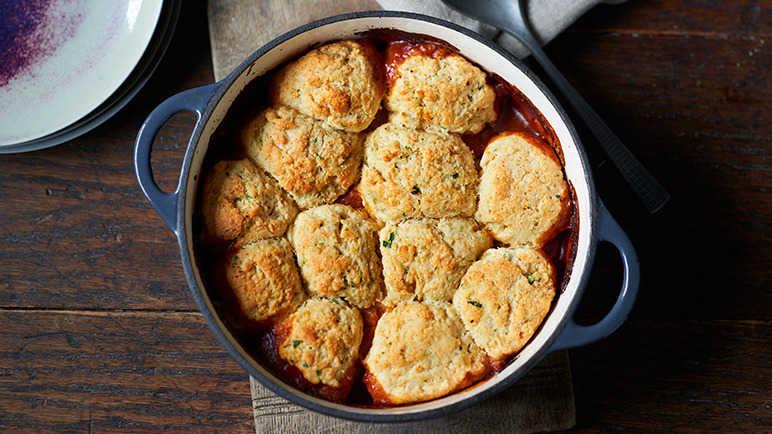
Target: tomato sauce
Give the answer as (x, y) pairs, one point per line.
(515, 114)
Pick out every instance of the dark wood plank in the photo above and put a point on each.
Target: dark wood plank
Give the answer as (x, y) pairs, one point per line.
(153, 372)
(109, 372)
(691, 108)
(677, 376)
(680, 17)
(684, 83)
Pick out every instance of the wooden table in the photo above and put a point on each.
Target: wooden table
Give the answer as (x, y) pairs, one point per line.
(97, 331)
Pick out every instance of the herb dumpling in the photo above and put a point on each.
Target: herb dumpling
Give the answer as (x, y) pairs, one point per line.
(424, 259)
(312, 162)
(524, 197)
(441, 94)
(241, 201)
(264, 278)
(412, 174)
(321, 339)
(421, 351)
(504, 297)
(340, 84)
(336, 248)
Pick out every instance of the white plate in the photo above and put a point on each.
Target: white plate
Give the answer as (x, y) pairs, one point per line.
(84, 50)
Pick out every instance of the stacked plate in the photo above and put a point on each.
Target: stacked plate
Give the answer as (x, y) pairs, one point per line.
(66, 66)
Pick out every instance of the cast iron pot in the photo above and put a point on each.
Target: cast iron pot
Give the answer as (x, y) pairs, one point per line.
(210, 104)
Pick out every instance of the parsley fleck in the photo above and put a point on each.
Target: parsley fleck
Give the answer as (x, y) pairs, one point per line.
(454, 176)
(474, 303)
(318, 373)
(387, 243)
(415, 190)
(305, 365)
(531, 279)
(295, 343)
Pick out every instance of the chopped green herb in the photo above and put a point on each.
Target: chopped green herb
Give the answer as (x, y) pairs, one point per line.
(531, 279)
(305, 365)
(415, 190)
(474, 303)
(319, 244)
(295, 343)
(557, 196)
(480, 87)
(454, 176)
(235, 258)
(387, 243)
(318, 373)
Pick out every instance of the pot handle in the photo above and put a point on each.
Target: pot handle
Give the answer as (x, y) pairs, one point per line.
(575, 335)
(192, 100)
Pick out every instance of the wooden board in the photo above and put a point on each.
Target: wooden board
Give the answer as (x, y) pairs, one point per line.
(127, 372)
(98, 330)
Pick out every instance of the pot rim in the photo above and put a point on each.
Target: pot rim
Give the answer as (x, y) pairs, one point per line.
(282, 388)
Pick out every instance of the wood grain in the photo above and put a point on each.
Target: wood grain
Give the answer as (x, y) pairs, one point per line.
(118, 372)
(681, 18)
(133, 371)
(684, 83)
(678, 376)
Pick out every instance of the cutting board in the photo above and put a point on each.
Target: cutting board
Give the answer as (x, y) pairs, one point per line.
(543, 400)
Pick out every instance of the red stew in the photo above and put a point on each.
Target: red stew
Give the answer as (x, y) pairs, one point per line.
(515, 114)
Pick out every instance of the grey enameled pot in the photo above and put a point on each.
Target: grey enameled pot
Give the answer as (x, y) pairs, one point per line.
(210, 104)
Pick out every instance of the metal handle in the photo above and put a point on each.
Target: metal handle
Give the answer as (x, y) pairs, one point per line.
(192, 100)
(575, 335)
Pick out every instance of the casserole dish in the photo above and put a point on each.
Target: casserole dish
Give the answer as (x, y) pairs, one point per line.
(211, 104)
